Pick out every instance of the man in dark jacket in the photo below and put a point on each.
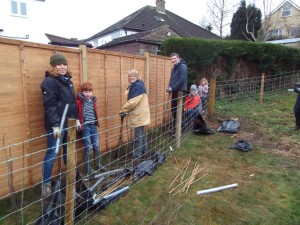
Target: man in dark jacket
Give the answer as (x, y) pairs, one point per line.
(297, 107)
(58, 90)
(178, 81)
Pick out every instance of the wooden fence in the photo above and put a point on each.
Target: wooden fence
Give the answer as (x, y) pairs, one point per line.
(22, 69)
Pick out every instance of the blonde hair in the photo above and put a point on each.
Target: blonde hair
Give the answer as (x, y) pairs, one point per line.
(205, 80)
(134, 73)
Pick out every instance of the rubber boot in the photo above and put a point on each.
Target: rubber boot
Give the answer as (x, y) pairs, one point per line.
(87, 165)
(97, 161)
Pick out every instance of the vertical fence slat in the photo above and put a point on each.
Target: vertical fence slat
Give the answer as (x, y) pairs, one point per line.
(212, 96)
(84, 67)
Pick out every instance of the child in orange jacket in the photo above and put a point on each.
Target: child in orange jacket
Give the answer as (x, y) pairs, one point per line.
(192, 107)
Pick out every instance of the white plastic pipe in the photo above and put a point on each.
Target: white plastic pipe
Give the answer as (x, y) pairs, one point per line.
(207, 191)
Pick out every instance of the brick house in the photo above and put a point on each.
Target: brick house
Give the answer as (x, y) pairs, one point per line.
(282, 23)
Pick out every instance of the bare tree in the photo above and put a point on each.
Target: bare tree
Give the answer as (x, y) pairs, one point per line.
(220, 10)
(266, 23)
(253, 22)
(204, 23)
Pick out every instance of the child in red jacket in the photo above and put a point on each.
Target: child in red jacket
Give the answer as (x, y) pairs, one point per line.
(88, 117)
(192, 107)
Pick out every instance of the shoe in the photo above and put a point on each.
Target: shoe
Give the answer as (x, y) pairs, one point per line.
(87, 165)
(46, 189)
(171, 132)
(99, 168)
(296, 128)
(98, 165)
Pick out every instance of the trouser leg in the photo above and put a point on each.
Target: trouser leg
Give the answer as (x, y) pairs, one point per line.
(138, 142)
(49, 158)
(297, 111)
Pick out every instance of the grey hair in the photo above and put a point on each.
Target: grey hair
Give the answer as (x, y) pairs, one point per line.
(135, 73)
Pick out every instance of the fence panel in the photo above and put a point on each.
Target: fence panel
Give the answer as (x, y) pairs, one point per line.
(22, 69)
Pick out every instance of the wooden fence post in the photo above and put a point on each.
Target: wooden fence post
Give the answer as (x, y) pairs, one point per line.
(70, 173)
(262, 84)
(178, 119)
(83, 59)
(212, 96)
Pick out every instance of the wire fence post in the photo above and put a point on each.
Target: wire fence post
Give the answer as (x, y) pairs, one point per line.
(262, 84)
(212, 96)
(70, 174)
(178, 119)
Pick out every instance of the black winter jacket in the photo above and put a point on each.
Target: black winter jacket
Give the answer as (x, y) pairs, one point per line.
(57, 92)
(179, 77)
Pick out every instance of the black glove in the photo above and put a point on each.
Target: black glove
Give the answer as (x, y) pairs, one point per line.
(122, 115)
(297, 90)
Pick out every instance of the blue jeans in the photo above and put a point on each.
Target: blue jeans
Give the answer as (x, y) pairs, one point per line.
(90, 139)
(140, 145)
(51, 156)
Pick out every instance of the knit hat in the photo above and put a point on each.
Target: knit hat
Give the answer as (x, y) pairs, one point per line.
(58, 59)
(194, 88)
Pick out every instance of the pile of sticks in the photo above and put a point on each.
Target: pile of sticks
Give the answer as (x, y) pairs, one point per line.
(185, 181)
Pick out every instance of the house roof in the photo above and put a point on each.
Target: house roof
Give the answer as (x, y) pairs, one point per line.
(147, 18)
(285, 41)
(61, 41)
(280, 5)
(154, 36)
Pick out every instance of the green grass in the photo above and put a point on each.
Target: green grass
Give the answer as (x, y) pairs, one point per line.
(268, 176)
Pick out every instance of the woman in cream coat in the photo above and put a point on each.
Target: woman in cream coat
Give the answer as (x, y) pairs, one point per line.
(137, 108)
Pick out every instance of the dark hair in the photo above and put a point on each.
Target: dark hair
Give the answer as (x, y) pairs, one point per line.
(87, 86)
(175, 54)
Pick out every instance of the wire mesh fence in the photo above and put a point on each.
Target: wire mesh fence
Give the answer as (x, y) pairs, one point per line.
(91, 193)
(255, 89)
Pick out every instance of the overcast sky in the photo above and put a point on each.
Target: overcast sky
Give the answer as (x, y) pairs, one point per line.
(82, 19)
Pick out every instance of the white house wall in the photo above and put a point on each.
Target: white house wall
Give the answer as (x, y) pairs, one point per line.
(108, 38)
(18, 27)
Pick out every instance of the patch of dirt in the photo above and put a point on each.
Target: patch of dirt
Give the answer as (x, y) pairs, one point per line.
(250, 131)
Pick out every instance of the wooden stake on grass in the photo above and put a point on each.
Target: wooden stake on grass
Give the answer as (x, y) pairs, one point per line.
(176, 162)
(178, 174)
(186, 168)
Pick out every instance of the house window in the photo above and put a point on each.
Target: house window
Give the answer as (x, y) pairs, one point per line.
(275, 33)
(295, 31)
(18, 8)
(286, 10)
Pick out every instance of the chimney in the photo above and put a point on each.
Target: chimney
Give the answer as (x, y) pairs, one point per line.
(160, 6)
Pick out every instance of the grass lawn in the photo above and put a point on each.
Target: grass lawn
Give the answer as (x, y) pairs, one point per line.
(268, 176)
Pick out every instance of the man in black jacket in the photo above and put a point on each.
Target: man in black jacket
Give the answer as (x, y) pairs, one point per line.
(58, 90)
(178, 81)
(297, 107)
